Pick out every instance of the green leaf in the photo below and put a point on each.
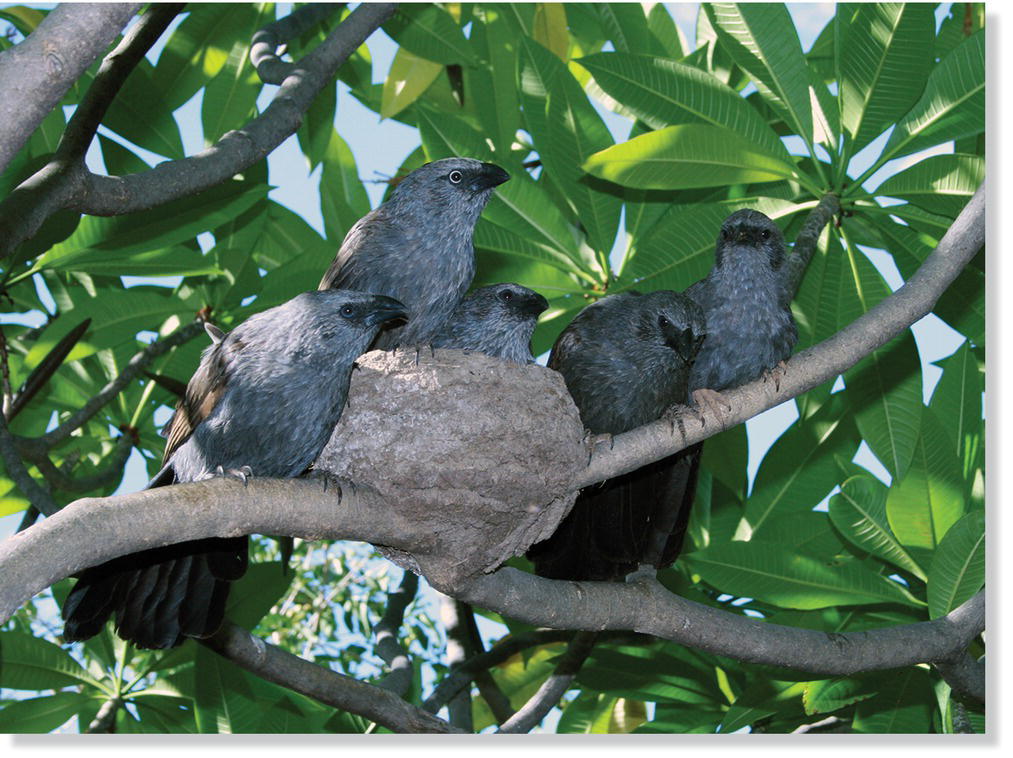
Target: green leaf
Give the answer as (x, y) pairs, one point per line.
(223, 701)
(885, 391)
(647, 673)
(409, 77)
(429, 32)
(167, 261)
(549, 29)
(567, 131)
(39, 715)
(626, 26)
(140, 115)
(519, 679)
(828, 695)
(343, 198)
(800, 469)
(669, 35)
(859, 513)
(940, 184)
(256, 592)
(100, 240)
(492, 87)
(230, 97)
(23, 18)
(663, 92)
(884, 66)
(762, 40)
(687, 156)
(958, 567)
(792, 578)
(198, 49)
(762, 699)
(903, 705)
(317, 129)
(930, 497)
(158, 715)
(32, 663)
(952, 105)
(957, 399)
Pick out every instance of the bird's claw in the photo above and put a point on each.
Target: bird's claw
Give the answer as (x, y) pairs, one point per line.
(595, 440)
(776, 374)
(675, 416)
(243, 473)
(712, 400)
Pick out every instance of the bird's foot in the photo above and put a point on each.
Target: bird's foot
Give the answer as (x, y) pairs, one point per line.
(675, 415)
(645, 573)
(596, 440)
(243, 473)
(325, 479)
(712, 400)
(776, 374)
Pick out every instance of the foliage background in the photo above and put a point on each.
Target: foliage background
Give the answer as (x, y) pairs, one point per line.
(893, 540)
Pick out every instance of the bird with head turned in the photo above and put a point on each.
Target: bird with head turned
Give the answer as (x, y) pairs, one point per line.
(417, 246)
(263, 401)
(626, 360)
(497, 320)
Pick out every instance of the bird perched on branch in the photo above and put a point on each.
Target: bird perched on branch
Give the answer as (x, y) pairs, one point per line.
(417, 246)
(263, 401)
(497, 320)
(750, 328)
(626, 360)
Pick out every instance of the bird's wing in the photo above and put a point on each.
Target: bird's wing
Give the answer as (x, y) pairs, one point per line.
(359, 263)
(203, 392)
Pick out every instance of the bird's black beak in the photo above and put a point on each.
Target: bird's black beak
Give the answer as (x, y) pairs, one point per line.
(535, 304)
(384, 309)
(490, 176)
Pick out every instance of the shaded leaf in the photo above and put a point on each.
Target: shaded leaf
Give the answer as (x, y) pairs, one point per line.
(958, 566)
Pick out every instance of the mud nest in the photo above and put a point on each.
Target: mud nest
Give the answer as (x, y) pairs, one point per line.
(478, 454)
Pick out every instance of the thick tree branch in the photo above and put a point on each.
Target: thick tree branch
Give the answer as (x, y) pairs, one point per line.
(329, 687)
(812, 367)
(69, 186)
(386, 631)
(34, 448)
(647, 607)
(36, 74)
(553, 688)
(263, 51)
(105, 720)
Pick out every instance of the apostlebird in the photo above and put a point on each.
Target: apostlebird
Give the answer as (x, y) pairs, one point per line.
(262, 402)
(417, 246)
(497, 320)
(626, 360)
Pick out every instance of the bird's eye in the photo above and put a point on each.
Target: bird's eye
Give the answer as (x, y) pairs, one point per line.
(506, 295)
(725, 234)
(663, 322)
(455, 177)
(347, 311)
(765, 234)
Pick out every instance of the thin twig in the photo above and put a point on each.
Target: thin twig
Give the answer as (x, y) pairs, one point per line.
(537, 708)
(821, 724)
(805, 243)
(112, 472)
(386, 631)
(329, 687)
(459, 707)
(490, 691)
(5, 377)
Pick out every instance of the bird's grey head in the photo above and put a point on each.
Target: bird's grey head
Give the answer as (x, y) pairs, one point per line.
(667, 320)
(509, 302)
(459, 185)
(345, 314)
(749, 235)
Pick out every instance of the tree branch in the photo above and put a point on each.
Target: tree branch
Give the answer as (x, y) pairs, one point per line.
(39, 497)
(329, 687)
(263, 52)
(965, 675)
(459, 706)
(36, 74)
(112, 472)
(553, 688)
(58, 186)
(647, 607)
(401, 673)
(812, 367)
(490, 691)
(805, 243)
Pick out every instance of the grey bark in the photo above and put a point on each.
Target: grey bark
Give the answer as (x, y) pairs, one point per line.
(35, 74)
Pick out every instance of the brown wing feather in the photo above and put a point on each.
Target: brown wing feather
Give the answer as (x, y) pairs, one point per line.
(203, 392)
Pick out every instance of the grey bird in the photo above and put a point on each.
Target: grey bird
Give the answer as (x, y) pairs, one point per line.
(417, 246)
(263, 401)
(626, 360)
(497, 320)
(750, 329)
